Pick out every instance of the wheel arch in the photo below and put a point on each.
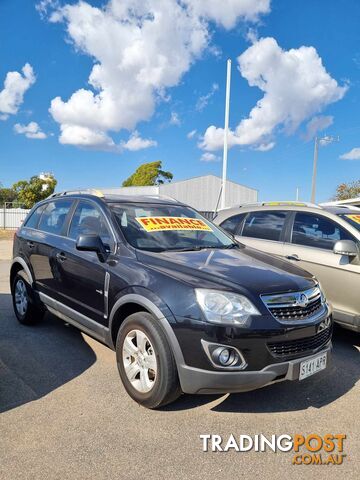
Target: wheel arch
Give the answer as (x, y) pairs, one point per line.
(17, 265)
(134, 302)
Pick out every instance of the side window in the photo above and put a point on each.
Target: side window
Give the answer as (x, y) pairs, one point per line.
(231, 224)
(317, 231)
(265, 225)
(53, 217)
(33, 220)
(88, 219)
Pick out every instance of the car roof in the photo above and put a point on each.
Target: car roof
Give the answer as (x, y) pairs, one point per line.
(245, 208)
(111, 198)
(141, 199)
(346, 210)
(255, 208)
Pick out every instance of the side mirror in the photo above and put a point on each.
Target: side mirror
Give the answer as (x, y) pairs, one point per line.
(346, 247)
(92, 243)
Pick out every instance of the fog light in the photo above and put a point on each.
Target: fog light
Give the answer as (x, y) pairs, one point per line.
(224, 356)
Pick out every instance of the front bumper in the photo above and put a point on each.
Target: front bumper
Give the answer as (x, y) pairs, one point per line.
(195, 380)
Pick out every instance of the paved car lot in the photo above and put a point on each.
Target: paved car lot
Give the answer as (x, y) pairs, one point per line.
(64, 413)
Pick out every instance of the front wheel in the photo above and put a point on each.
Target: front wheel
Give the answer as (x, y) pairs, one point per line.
(145, 361)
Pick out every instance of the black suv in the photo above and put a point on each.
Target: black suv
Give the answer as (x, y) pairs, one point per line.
(186, 308)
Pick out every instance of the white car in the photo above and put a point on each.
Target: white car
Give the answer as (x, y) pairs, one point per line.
(323, 240)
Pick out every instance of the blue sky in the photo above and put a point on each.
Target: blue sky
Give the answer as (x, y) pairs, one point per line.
(62, 62)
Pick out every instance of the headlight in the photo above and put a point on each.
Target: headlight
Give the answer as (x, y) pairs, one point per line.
(225, 307)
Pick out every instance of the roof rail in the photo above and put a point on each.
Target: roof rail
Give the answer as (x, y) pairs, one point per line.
(165, 197)
(282, 203)
(342, 206)
(89, 191)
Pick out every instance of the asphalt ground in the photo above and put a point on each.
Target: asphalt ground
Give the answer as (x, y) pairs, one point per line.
(65, 415)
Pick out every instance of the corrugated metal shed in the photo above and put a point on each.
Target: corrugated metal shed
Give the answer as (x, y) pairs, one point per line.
(131, 191)
(201, 193)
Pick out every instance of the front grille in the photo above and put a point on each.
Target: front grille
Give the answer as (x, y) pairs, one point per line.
(296, 313)
(291, 306)
(295, 347)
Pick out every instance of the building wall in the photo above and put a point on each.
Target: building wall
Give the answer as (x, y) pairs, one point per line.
(201, 193)
(131, 191)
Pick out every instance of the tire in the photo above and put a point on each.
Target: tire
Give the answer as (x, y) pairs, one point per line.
(25, 310)
(145, 361)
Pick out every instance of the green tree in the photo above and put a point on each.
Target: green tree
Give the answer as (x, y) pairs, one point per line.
(29, 192)
(148, 174)
(6, 195)
(348, 190)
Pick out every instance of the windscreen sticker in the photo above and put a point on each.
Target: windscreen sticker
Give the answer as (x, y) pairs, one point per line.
(354, 218)
(157, 224)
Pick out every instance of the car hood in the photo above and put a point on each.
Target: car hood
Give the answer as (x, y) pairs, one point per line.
(243, 267)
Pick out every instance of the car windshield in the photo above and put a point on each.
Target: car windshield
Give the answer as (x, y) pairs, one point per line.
(352, 218)
(168, 227)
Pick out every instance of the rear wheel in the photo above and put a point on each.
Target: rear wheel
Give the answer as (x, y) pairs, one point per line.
(25, 310)
(145, 361)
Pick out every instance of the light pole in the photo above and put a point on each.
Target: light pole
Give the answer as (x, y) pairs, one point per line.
(313, 184)
(226, 130)
(326, 140)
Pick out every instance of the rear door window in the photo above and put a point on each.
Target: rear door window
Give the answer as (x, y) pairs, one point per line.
(264, 225)
(33, 220)
(53, 217)
(232, 224)
(317, 231)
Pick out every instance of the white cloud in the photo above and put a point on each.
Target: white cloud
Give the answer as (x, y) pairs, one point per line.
(209, 157)
(228, 12)
(191, 134)
(86, 137)
(43, 6)
(215, 50)
(135, 142)
(354, 154)
(89, 138)
(175, 119)
(252, 35)
(31, 130)
(140, 49)
(15, 86)
(296, 87)
(317, 124)
(204, 99)
(327, 140)
(265, 147)
(213, 139)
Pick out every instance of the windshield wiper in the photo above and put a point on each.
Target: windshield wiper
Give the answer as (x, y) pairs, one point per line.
(200, 247)
(219, 247)
(232, 245)
(184, 249)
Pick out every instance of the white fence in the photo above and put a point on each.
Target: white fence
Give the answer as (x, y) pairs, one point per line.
(12, 218)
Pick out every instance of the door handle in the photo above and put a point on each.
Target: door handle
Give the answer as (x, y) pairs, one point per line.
(30, 244)
(61, 256)
(293, 257)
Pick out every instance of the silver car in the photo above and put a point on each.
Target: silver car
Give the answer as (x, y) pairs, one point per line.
(323, 240)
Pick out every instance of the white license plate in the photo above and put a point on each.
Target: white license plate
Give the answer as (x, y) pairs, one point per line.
(309, 367)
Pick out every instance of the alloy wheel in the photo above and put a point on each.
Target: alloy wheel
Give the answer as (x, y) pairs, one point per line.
(21, 297)
(139, 361)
